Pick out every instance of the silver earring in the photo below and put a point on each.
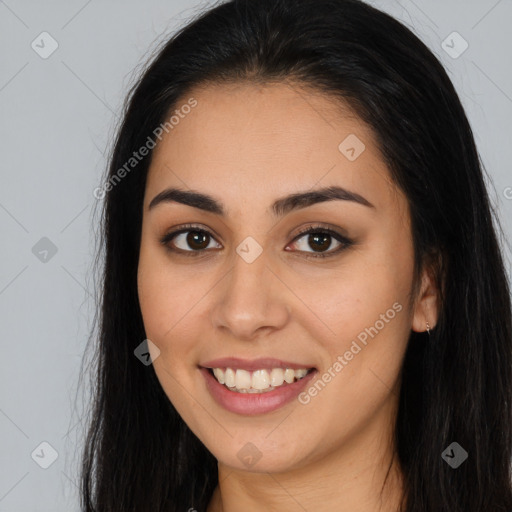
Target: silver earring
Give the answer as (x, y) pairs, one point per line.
(428, 329)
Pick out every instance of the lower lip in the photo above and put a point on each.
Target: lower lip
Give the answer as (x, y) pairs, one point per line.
(254, 403)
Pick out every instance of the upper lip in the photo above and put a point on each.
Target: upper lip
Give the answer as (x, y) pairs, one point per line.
(253, 364)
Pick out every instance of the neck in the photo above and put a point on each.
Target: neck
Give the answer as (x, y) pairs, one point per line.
(349, 479)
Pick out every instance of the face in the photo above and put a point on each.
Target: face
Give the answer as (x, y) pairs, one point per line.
(236, 275)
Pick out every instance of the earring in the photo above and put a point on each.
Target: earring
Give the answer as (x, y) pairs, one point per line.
(428, 329)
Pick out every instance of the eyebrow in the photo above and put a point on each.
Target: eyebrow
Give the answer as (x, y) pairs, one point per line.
(279, 208)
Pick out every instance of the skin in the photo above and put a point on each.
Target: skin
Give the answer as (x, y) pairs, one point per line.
(248, 145)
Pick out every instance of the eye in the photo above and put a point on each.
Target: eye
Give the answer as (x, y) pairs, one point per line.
(188, 236)
(320, 239)
(194, 241)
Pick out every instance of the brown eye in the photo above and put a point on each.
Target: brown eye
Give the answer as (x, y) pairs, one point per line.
(188, 240)
(319, 240)
(197, 239)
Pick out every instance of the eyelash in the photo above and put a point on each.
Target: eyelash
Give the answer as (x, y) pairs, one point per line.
(346, 242)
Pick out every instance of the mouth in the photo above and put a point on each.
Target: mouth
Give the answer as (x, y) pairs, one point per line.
(257, 386)
(262, 380)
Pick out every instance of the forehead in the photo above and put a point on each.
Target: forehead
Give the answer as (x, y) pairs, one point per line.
(266, 141)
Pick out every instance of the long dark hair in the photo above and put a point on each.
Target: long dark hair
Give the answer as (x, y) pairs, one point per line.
(456, 385)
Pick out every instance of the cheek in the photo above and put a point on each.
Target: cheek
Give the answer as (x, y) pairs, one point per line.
(364, 301)
(152, 299)
(366, 311)
(164, 306)
(172, 302)
(343, 301)
(161, 298)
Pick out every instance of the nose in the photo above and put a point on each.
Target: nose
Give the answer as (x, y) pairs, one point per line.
(250, 300)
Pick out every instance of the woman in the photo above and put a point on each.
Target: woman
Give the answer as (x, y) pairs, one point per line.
(298, 237)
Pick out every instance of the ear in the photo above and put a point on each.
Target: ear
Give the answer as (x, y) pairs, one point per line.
(426, 307)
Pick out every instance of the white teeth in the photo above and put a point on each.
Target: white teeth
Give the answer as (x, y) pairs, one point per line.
(219, 375)
(277, 376)
(289, 375)
(258, 381)
(300, 373)
(243, 379)
(229, 377)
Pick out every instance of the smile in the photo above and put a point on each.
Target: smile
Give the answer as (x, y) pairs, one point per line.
(257, 386)
(258, 381)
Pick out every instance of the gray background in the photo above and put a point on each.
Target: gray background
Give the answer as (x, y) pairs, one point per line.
(58, 116)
